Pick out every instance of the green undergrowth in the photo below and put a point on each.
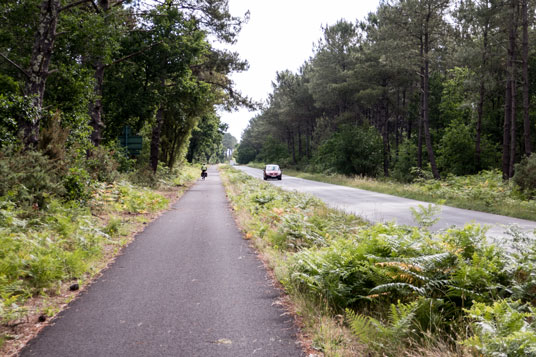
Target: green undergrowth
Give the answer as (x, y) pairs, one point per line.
(485, 192)
(399, 290)
(44, 248)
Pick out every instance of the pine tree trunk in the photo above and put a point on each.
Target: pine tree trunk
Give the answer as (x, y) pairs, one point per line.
(513, 88)
(300, 148)
(307, 143)
(407, 118)
(293, 145)
(155, 139)
(426, 111)
(95, 107)
(512, 123)
(508, 100)
(397, 122)
(421, 116)
(385, 137)
(526, 98)
(39, 65)
(480, 108)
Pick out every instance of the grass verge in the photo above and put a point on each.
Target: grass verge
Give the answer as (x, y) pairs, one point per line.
(387, 290)
(323, 333)
(485, 192)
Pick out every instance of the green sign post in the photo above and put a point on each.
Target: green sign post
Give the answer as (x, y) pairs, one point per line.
(133, 143)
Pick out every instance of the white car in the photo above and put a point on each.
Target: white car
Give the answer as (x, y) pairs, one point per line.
(272, 171)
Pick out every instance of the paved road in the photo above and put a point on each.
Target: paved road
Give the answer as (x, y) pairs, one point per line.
(378, 207)
(189, 285)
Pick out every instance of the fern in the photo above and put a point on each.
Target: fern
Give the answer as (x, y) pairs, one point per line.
(426, 217)
(398, 287)
(385, 337)
(505, 328)
(424, 275)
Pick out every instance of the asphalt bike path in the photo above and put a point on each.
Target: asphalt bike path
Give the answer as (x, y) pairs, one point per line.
(189, 285)
(379, 207)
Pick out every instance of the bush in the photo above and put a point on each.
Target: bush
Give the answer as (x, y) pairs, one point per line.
(504, 328)
(525, 175)
(29, 177)
(272, 151)
(245, 154)
(101, 164)
(351, 151)
(13, 109)
(53, 138)
(456, 154)
(406, 160)
(77, 185)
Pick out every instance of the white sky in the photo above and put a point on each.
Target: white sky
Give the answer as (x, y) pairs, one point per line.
(280, 35)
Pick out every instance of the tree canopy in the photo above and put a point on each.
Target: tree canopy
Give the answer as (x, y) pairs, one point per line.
(439, 76)
(101, 65)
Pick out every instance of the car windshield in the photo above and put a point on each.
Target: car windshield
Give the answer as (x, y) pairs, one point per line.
(272, 167)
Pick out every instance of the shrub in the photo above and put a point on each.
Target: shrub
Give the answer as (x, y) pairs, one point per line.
(405, 161)
(456, 153)
(339, 273)
(503, 328)
(53, 138)
(351, 151)
(245, 153)
(272, 151)
(77, 185)
(101, 165)
(389, 337)
(13, 109)
(525, 175)
(29, 178)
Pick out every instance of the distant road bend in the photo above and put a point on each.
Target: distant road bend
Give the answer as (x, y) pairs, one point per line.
(188, 286)
(379, 207)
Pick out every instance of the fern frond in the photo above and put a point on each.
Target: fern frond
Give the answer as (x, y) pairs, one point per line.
(397, 287)
(468, 292)
(420, 263)
(361, 326)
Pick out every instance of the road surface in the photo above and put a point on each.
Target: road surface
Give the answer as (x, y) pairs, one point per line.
(379, 207)
(189, 285)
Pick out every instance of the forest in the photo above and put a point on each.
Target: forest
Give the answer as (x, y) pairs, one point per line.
(74, 74)
(419, 88)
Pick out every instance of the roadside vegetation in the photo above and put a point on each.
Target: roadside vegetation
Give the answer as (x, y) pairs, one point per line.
(62, 221)
(417, 90)
(390, 290)
(485, 192)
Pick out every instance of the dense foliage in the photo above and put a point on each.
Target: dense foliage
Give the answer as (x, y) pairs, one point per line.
(446, 85)
(98, 66)
(401, 289)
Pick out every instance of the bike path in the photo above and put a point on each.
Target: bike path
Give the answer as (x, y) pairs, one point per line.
(189, 285)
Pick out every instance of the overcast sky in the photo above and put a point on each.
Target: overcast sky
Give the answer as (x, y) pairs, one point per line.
(280, 35)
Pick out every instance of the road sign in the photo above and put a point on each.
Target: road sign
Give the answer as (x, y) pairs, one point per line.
(133, 143)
